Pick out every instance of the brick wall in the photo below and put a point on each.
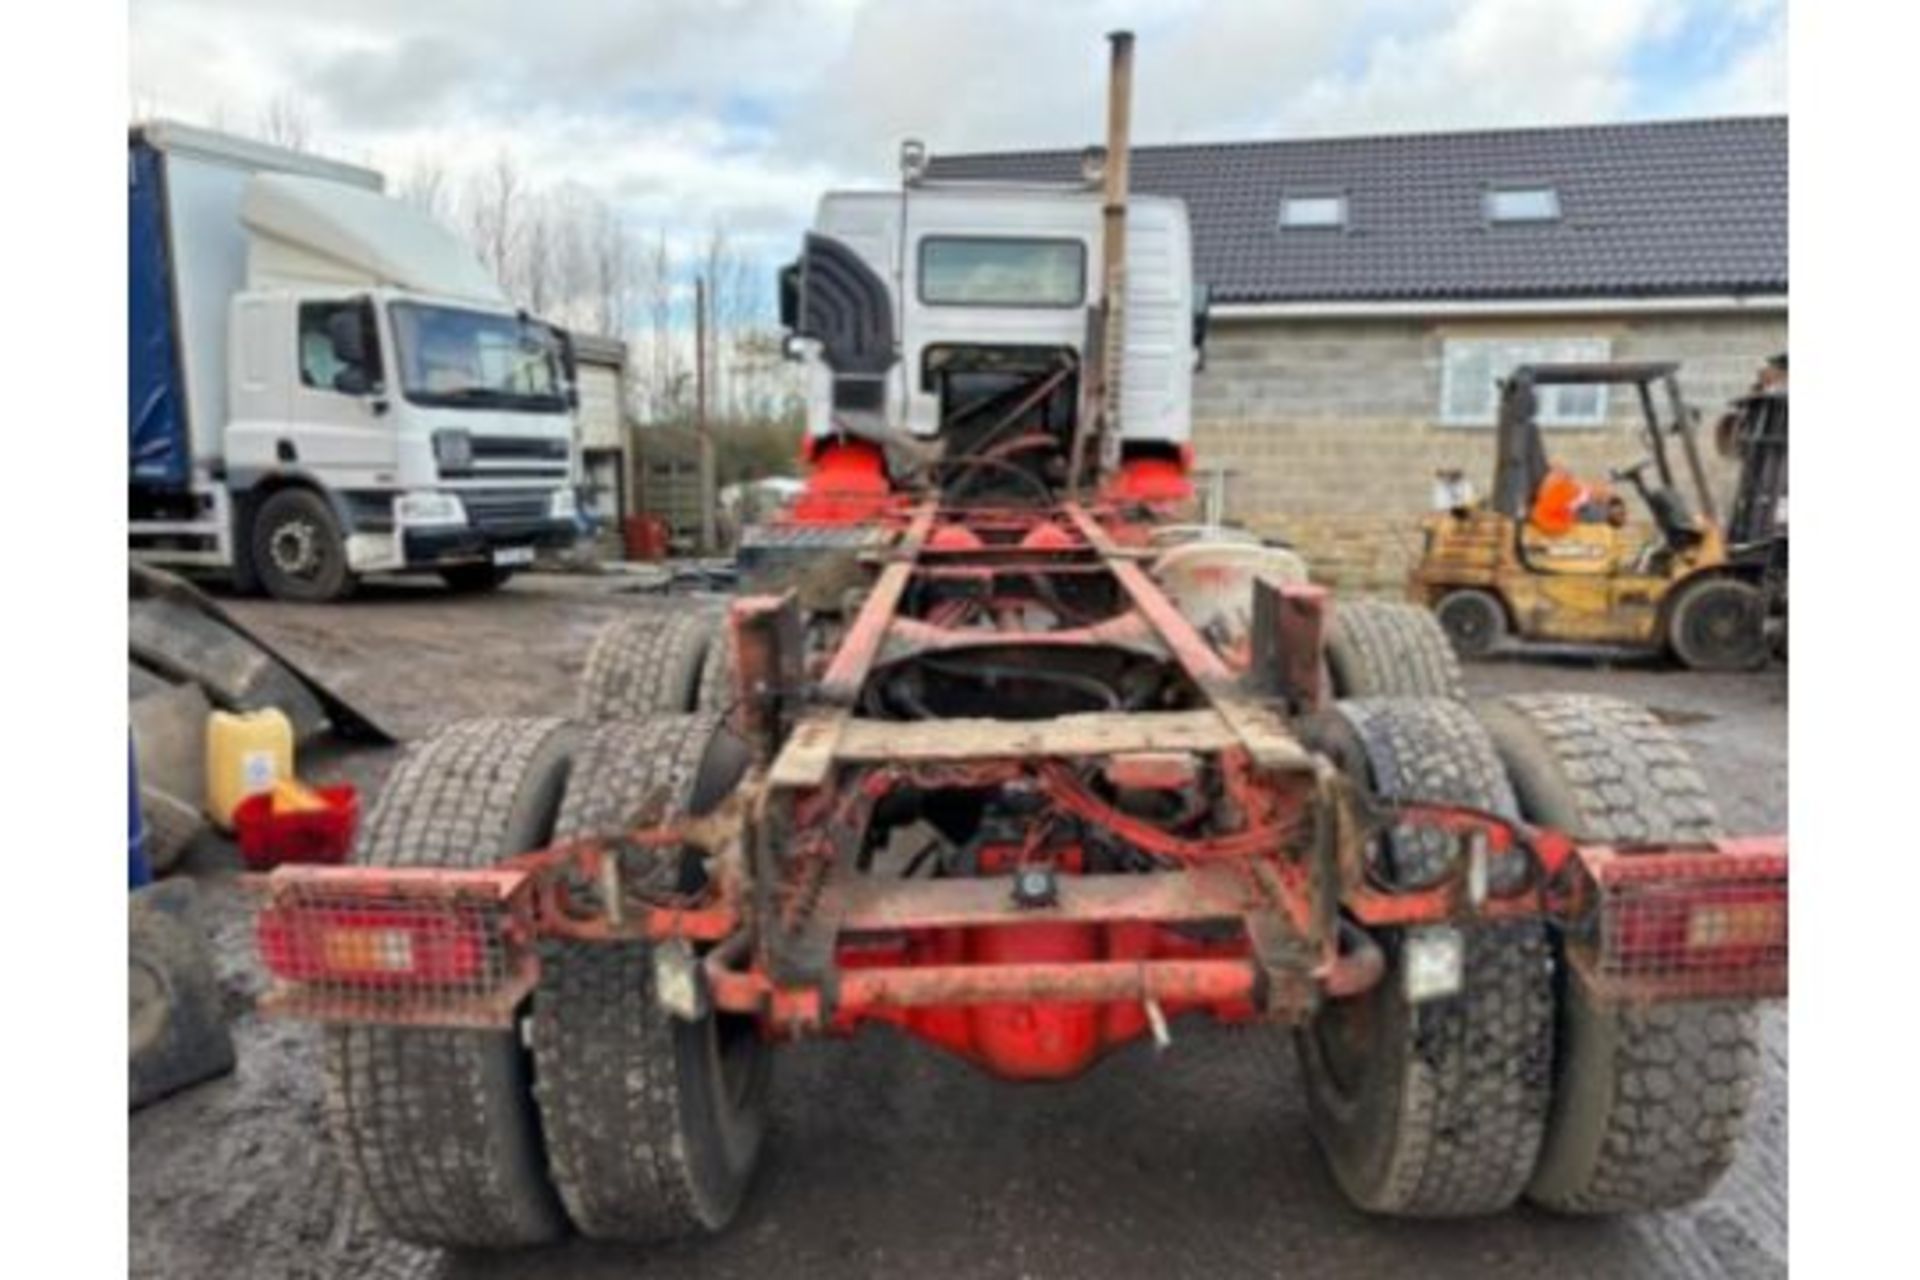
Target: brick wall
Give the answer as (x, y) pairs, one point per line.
(1330, 429)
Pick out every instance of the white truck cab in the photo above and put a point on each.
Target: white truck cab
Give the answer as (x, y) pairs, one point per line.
(960, 332)
(325, 383)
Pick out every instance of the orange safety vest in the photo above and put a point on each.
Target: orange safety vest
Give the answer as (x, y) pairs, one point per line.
(1556, 507)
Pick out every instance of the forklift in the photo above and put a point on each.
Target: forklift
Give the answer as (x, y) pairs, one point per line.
(1753, 433)
(1548, 557)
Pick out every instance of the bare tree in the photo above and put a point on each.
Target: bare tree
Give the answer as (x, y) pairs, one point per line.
(424, 186)
(286, 123)
(493, 200)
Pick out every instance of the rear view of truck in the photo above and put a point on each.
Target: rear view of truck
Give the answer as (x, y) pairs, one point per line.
(991, 760)
(324, 383)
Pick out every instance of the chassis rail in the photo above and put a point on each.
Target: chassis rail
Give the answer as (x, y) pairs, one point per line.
(1266, 916)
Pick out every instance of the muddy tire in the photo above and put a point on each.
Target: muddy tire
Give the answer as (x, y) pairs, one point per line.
(298, 551)
(1387, 649)
(646, 665)
(437, 1125)
(1475, 621)
(1719, 624)
(1437, 1108)
(653, 1125)
(1650, 1103)
(716, 692)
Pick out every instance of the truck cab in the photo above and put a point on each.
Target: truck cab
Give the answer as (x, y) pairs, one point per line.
(326, 383)
(956, 329)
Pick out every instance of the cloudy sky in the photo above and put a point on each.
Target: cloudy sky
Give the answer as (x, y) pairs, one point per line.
(686, 111)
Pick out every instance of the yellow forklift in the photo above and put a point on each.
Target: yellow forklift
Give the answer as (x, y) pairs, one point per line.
(1549, 557)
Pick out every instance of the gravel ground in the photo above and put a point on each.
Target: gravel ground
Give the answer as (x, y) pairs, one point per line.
(885, 1156)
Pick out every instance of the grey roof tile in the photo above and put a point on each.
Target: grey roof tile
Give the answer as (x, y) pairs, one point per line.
(1671, 208)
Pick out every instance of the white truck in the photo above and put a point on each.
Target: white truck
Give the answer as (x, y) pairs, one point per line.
(963, 321)
(323, 382)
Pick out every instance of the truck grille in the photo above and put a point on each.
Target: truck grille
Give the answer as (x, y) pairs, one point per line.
(518, 448)
(492, 509)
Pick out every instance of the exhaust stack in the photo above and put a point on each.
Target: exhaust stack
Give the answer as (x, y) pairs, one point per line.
(1114, 242)
(1107, 329)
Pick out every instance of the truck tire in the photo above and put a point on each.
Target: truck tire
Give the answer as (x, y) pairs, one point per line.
(717, 672)
(1389, 649)
(436, 1125)
(1436, 1108)
(1649, 1103)
(1719, 624)
(299, 552)
(1474, 620)
(646, 665)
(653, 1124)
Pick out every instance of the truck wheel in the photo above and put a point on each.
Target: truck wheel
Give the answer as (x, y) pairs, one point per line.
(646, 665)
(437, 1125)
(298, 550)
(1435, 1108)
(475, 578)
(717, 673)
(1388, 649)
(653, 1124)
(1474, 620)
(1719, 624)
(1649, 1103)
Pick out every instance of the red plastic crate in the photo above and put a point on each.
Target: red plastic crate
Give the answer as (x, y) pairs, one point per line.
(269, 837)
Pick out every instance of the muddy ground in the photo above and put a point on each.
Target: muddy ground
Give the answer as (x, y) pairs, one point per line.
(887, 1158)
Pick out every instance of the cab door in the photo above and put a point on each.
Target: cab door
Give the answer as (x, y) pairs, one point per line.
(340, 396)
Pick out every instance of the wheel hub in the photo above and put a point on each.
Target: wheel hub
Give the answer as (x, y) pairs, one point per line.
(295, 548)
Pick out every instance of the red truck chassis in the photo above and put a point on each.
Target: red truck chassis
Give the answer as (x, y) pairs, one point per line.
(1033, 965)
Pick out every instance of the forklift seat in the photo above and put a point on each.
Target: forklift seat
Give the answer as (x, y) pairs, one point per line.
(1673, 517)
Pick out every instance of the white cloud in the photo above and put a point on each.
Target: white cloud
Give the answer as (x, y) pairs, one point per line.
(684, 111)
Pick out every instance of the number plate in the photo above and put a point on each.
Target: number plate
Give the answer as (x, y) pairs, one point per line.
(508, 557)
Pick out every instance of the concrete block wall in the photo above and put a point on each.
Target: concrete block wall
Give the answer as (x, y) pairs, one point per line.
(1331, 433)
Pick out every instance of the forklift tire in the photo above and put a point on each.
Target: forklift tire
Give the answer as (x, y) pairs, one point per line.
(475, 578)
(653, 1124)
(1649, 1102)
(1474, 620)
(1435, 1108)
(1388, 649)
(437, 1125)
(646, 665)
(298, 550)
(1719, 624)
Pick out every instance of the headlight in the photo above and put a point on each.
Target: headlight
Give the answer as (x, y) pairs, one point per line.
(563, 505)
(429, 508)
(453, 450)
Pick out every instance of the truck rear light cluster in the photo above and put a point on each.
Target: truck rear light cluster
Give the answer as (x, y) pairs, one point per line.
(430, 948)
(1693, 925)
(367, 946)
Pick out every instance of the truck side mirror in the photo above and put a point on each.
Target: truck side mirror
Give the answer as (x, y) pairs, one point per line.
(790, 295)
(1202, 314)
(347, 331)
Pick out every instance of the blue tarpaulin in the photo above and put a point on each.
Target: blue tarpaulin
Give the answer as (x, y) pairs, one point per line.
(157, 449)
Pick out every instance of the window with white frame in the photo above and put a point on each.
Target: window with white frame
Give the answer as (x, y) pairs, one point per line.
(1471, 370)
(1305, 211)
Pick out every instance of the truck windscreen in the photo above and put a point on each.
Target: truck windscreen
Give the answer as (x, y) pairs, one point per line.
(981, 271)
(450, 356)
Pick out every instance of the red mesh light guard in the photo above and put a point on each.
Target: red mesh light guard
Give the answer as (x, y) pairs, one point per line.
(412, 947)
(1688, 924)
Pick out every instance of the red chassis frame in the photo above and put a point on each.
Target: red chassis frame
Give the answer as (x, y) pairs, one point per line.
(1031, 976)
